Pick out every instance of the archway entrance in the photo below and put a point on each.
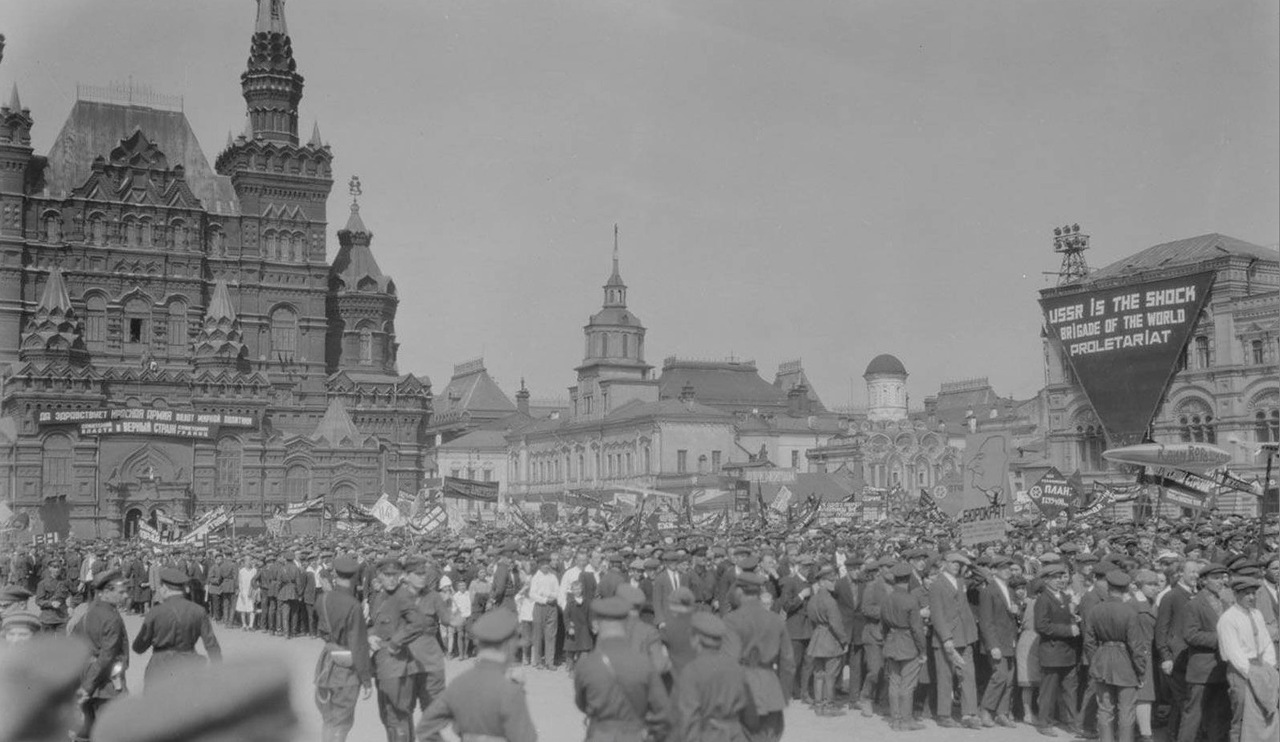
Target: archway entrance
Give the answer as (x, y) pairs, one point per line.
(131, 520)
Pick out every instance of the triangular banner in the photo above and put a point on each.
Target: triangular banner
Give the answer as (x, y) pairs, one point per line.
(1123, 344)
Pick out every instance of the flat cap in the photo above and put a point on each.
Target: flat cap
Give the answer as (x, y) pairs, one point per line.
(418, 564)
(106, 577)
(708, 624)
(1213, 568)
(652, 563)
(1118, 579)
(902, 571)
(345, 566)
(959, 557)
(1049, 570)
(1242, 584)
(14, 594)
(611, 609)
(681, 597)
(495, 627)
(248, 699)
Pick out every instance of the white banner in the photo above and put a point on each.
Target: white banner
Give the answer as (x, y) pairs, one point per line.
(387, 512)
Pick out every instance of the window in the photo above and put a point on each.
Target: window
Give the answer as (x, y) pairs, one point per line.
(52, 227)
(702, 464)
(56, 460)
(131, 231)
(625, 346)
(137, 329)
(795, 459)
(98, 230)
(715, 461)
(582, 467)
(146, 233)
(1267, 425)
(1197, 427)
(284, 331)
(1203, 358)
(297, 483)
(648, 461)
(1090, 444)
(630, 464)
(366, 346)
(178, 234)
(682, 461)
(269, 245)
(488, 475)
(455, 472)
(604, 345)
(177, 328)
(1255, 351)
(1181, 365)
(226, 468)
(95, 326)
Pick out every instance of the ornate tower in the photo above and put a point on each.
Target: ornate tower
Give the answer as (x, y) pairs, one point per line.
(54, 333)
(886, 389)
(362, 301)
(614, 349)
(219, 346)
(282, 186)
(15, 165)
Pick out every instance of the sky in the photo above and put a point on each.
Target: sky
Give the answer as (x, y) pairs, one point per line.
(820, 180)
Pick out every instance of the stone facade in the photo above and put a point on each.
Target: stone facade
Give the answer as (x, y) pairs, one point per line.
(133, 274)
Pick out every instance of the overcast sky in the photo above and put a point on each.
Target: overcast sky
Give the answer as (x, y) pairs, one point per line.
(815, 179)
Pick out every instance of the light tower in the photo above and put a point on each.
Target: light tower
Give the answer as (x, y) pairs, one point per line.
(1071, 243)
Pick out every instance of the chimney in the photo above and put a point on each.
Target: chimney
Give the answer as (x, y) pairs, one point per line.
(522, 399)
(796, 398)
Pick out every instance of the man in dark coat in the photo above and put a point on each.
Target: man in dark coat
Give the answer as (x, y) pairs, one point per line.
(292, 581)
(794, 593)
(677, 632)
(711, 695)
(759, 640)
(427, 649)
(904, 648)
(998, 628)
(172, 628)
(1170, 648)
(345, 669)
(395, 623)
(954, 634)
(874, 593)
(506, 581)
(103, 629)
(1059, 652)
(1118, 656)
(617, 687)
(1206, 702)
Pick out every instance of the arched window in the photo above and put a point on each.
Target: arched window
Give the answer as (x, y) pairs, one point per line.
(56, 467)
(95, 325)
(98, 229)
(648, 461)
(1091, 441)
(299, 247)
(132, 232)
(1181, 364)
(1204, 355)
(284, 331)
(582, 467)
(138, 316)
(1266, 423)
(1197, 427)
(1257, 353)
(269, 249)
(630, 464)
(217, 242)
(178, 234)
(177, 327)
(366, 345)
(297, 483)
(146, 233)
(702, 464)
(226, 468)
(604, 345)
(626, 348)
(52, 226)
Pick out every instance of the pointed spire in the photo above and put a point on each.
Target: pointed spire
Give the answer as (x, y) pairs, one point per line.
(271, 18)
(220, 304)
(55, 297)
(248, 127)
(315, 135)
(615, 279)
(15, 103)
(355, 225)
(336, 426)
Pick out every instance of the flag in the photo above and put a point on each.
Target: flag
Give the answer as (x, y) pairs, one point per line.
(429, 519)
(298, 508)
(521, 519)
(386, 512)
(404, 501)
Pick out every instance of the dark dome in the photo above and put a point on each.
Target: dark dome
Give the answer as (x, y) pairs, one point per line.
(885, 364)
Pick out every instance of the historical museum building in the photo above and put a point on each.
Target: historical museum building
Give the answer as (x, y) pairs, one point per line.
(172, 336)
(1225, 388)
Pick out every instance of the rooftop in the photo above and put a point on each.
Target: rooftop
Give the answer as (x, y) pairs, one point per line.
(730, 384)
(1187, 251)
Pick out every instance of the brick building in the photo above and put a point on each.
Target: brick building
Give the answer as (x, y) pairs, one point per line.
(135, 276)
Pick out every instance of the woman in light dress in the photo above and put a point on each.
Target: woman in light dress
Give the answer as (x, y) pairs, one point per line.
(247, 593)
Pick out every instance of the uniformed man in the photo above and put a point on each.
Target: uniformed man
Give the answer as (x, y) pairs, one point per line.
(759, 640)
(172, 628)
(1119, 654)
(52, 595)
(616, 686)
(642, 635)
(484, 703)
(905, 648)
(828, 643)
(103, 628)
(396, 623)
(427, 649)
(710, 695)
(872, 600)
(345, 668)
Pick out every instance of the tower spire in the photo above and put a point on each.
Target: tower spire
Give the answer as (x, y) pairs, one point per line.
(271, 18)
(271, 85)
(15, 103)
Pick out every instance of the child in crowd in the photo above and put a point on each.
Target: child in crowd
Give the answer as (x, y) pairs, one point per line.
(461, 604)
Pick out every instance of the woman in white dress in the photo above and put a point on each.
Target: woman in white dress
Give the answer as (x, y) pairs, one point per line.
(247, 593)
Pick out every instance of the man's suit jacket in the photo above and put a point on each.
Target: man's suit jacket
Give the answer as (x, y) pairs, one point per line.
(799, 626)
(950, 614)
(997, 625)
(1199, 629)
(1170, 646)
(846, 595)
(1058, 648)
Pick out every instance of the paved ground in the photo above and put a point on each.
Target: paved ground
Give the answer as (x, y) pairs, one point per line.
(550, 697)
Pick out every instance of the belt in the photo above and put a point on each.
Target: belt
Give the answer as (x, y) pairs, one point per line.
(1114, 644)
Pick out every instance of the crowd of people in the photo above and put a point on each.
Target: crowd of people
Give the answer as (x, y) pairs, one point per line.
(1096, 631)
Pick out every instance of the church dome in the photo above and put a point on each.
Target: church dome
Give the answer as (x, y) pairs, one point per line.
(885, 364)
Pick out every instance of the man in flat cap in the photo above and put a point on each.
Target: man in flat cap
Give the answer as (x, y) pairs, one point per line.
(998, 628)
(1170, 647)
(1206, 701)
(616, 686)
(874, 593)
(103, 629)
(829, 641)
(345, 668)
(904, 647)
(758, 638)
(172, 628)
(954, 634)
(1119, 655)
(710, 696)
(1250, 657)
(1059, 652)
